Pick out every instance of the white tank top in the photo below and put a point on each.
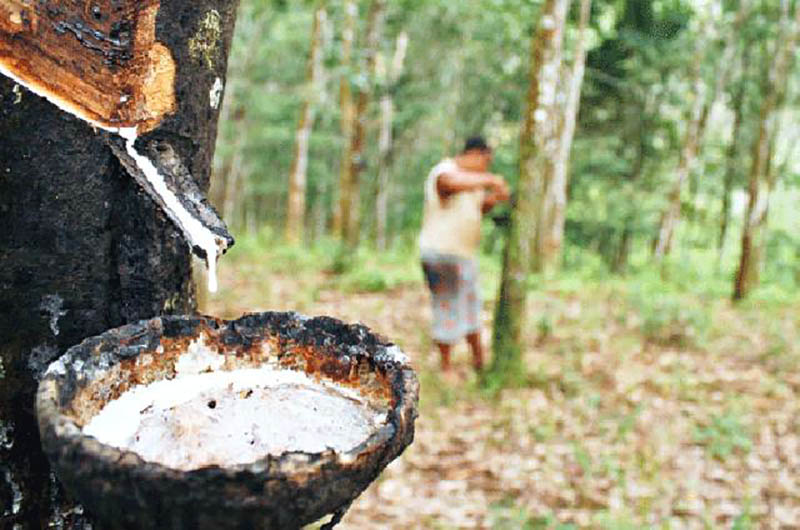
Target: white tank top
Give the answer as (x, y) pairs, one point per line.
(451, 225)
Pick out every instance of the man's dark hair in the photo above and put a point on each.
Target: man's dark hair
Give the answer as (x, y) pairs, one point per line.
(477, 143)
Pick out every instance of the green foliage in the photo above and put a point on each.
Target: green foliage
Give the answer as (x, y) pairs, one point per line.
(725, 435)
(361, 270)
(343, 260)
(668, 317)
(583, 458)
(545, 327)
(506, 515)
(743, 521)
(366, 280)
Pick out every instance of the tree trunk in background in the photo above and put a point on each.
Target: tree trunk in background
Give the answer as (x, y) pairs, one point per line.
(319, 211)
(452, 75)
(552, 237)
(538, 128)
(385, 139)
(696, 127)
(232, 199)
(724, 66)
(353, 162)
(761, 180)
(347, 108)
(83, 249)
(540, 151)
(671, 215)
(234, 112)
(622, 252)
(732, 157)
(295, 215)
(216, 189)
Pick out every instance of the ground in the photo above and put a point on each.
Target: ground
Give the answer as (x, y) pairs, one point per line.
(643, 406)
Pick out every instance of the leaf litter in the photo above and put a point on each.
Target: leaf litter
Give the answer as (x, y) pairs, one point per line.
(613, 429)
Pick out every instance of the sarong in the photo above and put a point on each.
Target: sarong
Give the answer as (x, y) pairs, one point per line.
(453, 282)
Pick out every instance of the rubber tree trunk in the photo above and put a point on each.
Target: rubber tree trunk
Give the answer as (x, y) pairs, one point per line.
(385, 139)
(732, 168)
(637, 125)
(538, 125)
(295, 216)
(671, 214)
(761, 183)
(82, 248)
(696, 127)
(233, 197)
(540, 155)
(552, 238)
(353, 161)
(347, 109)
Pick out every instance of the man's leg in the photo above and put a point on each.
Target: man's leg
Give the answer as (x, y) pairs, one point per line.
(472, 311)
(474, 340)
(442, 278)
(444, 350)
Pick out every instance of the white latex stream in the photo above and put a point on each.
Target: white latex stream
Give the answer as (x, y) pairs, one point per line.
(198, 234)
(197, 231)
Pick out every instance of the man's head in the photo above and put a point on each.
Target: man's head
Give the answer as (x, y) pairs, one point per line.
(477, 154)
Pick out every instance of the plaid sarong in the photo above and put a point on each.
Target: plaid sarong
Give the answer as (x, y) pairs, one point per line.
(453, 282)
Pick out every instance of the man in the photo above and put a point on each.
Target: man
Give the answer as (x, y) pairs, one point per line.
(458, 191)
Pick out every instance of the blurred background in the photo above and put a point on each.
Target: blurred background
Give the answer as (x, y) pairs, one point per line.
(660, 361)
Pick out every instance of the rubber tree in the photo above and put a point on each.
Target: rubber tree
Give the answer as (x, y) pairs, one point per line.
(539, 126)
(83, 249)
(733, 153)
(541, 155)
(555, 206)
(696, 123)
(295, 216)
(761, 177)
(353, 153)
(347, 107)
(691, 143)
(390, 75)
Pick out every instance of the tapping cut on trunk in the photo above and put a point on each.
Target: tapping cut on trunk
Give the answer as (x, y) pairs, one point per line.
(97, 60)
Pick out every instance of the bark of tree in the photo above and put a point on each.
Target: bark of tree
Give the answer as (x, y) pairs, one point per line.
(232, 203)
(620, 259)
(296, 210)
(555, 205)
(671, 214)
(82, 248)
(536, 152)
(732, 157)
(350, 188)
(540, 155)
(385, 139)
(347, 109)
(762, 180)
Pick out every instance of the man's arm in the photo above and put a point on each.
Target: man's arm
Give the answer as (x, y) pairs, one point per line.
(500, 194)
(451, 182)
